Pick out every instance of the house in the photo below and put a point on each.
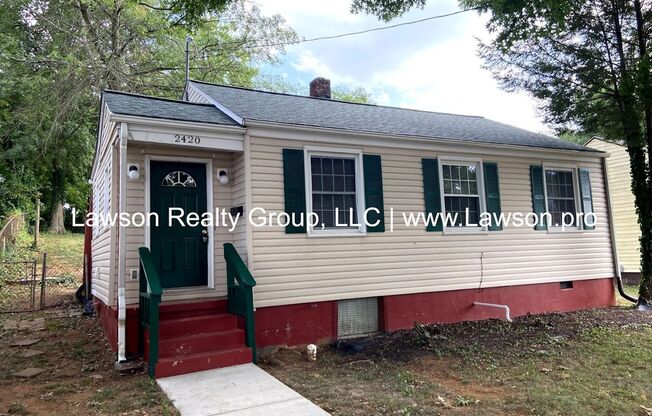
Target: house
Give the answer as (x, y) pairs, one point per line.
(194, 297)
(626, 229)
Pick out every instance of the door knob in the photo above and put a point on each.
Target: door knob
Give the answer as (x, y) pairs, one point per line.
(204, 236)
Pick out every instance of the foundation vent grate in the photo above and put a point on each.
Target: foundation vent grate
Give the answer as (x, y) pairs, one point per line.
(357, 317)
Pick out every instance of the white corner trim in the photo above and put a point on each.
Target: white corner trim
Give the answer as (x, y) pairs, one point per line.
(209, 205)
(220, 106)
(356, 155)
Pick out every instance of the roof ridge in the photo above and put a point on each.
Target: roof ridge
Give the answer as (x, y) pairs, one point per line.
(526, 130)
(335, 101)
(152, 97)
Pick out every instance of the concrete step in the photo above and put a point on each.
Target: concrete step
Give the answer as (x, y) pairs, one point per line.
(184, 364)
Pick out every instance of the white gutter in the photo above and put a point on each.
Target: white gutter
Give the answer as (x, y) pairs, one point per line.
(508, 318)
(122, 242)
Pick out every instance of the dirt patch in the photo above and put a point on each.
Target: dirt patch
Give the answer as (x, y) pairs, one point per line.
(441, 371)
(79, 377)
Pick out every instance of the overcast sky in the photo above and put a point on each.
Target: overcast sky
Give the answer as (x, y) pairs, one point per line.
(429, 66)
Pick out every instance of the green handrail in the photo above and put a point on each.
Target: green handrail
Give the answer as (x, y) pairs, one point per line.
(240, 298)
(149, 301)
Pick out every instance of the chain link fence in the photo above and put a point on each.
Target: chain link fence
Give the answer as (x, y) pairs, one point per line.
(61, 277)
(46, 282)
(18, 286)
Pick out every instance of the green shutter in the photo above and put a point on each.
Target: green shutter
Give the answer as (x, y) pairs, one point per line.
(295, 188)
(373, 192)
(431, 192)
(538, 195)
(586, 195)
(492, 193)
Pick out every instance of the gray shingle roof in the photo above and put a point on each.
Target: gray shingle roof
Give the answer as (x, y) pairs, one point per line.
(307, 111)
(145, 106)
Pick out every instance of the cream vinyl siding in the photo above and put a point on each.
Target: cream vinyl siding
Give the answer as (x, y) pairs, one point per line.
(239, 196)
(104, 257)
(222, 198)
(293, 268)
(626, 228)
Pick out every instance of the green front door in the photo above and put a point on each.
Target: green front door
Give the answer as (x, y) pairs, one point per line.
(179, 250)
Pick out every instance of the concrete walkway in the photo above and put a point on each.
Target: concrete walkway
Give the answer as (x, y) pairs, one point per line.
(235, 391)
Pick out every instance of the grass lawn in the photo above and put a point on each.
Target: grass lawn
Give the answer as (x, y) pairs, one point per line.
(595, 362)
(68, 247)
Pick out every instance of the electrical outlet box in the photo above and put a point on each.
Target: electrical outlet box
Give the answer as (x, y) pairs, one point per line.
(134, 274)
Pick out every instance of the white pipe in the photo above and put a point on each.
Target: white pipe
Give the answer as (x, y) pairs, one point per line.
(496, 305)
(122, 240)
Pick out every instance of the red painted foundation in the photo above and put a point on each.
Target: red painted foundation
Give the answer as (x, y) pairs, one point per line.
(447, 307)
(317, 322)
(109, 318)
(304, 323)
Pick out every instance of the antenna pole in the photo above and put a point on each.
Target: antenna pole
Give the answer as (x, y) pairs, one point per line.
(188, 40)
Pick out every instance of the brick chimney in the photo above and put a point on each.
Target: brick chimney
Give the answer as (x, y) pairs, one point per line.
(320, 88)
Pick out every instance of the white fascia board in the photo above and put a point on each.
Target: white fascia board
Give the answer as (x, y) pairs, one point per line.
(272, 130)
(120, 118)
(160, 131)
(216, 103)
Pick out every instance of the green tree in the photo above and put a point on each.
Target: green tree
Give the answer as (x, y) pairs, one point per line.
(588, 62)
(58, 55)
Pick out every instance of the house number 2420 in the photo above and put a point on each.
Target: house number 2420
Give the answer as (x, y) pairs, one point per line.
(182, 138)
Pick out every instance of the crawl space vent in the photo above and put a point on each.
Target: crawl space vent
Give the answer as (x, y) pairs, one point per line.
(357, 317)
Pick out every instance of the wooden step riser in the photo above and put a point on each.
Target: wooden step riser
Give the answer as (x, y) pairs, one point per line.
(200, 343)
(196, 325)
(186, 310)
(168, 316)
(173, 366)
(192, 306)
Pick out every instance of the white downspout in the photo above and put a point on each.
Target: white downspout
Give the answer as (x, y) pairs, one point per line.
(508, 317)
(122, 240)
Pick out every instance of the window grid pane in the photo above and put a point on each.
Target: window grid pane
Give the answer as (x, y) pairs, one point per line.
(561, 195)
(460, 180)
(333, 186)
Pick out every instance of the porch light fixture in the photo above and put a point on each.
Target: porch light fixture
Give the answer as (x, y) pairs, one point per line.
(223, 176)
(133, 172)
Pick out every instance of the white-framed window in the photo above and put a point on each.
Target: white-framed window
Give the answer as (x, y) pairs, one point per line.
(561, 192)
(335, 190)
(462, 187)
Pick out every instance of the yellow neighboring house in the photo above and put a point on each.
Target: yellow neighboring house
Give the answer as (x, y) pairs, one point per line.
(626, 229)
